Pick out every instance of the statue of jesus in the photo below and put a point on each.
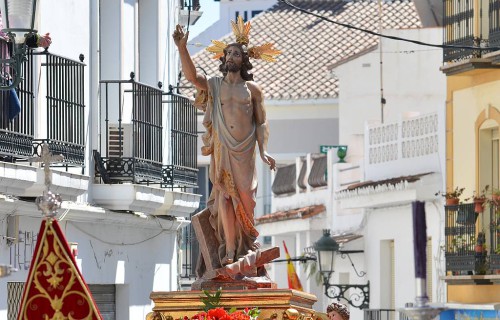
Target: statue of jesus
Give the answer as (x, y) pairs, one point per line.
(235, 120)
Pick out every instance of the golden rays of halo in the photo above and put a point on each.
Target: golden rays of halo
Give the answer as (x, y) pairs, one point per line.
(241, 31)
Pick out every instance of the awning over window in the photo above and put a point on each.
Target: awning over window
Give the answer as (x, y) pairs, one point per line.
(284, 182)
(317, 177)
(299, 213)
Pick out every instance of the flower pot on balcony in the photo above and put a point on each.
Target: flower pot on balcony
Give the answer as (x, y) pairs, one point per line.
(452, 201)
(479, 205)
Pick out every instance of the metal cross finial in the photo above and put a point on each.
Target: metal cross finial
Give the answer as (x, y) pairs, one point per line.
(47, 158)
(49, 202)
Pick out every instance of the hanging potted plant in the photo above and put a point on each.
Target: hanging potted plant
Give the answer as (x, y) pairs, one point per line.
(480, 199)
(452, 197)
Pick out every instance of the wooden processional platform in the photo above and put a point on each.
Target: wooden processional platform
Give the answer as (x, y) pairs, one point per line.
(273, 303)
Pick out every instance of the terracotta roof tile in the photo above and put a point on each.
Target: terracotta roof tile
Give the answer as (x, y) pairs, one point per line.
(299, 213)
(310, 45)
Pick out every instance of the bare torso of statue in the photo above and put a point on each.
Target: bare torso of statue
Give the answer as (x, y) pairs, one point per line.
(237, 108)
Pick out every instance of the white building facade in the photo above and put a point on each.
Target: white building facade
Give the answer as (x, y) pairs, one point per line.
(124, 197)
(367, 200)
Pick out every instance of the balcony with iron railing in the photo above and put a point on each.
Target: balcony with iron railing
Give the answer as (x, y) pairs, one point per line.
(131, 125)
(471, 29)
(472, 241)
(47, 107)
(62, 109)
(131, 155)
(130, 145)
(459, 29)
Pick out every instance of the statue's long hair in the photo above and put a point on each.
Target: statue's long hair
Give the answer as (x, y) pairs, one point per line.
(246, 65)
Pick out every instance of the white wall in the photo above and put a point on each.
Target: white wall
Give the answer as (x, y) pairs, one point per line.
(136, 259)
(150, 42)
(412, 81)
(395, 223)
(110, 41)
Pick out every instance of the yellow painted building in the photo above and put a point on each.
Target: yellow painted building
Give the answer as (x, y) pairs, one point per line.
(473, 147)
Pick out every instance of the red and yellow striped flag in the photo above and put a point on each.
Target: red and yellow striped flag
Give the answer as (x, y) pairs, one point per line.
(293, 279)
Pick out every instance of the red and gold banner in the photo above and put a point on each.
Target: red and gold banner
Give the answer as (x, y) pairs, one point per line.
(55, 289)
(293, 279)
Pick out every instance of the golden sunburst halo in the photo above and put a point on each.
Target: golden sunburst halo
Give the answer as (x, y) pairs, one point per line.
(241, 31)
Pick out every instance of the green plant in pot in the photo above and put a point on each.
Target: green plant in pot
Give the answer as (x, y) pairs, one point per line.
(452, 197)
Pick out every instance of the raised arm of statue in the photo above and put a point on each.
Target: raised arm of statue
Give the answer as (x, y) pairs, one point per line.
(261, 125)
(180, 40)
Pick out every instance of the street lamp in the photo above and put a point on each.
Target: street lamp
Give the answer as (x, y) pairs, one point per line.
(19, 20)
(356, 295)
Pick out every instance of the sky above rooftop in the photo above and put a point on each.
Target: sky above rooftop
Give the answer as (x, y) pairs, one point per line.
(210, 15)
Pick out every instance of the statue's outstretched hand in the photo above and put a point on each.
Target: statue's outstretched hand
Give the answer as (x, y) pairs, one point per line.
(269, 160)
(180, 38)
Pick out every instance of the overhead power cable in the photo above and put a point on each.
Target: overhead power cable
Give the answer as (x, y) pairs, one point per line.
(421, 43)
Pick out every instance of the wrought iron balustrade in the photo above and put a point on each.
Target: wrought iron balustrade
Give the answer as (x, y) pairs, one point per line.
(458, 23)
(380, 314)
(65, 108)
(495, 236)
(494, 23)
(195, 4)
(460, 238)
(181, 169)
(130, 147)
(64, 113)
(16, 135)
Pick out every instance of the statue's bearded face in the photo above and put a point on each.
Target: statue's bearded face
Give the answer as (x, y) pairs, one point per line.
(234, 59)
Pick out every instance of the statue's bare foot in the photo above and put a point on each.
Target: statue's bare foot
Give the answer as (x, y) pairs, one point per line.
(228, 259)
(255, 246)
